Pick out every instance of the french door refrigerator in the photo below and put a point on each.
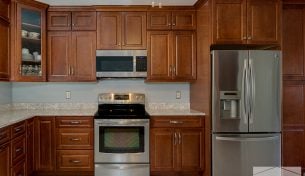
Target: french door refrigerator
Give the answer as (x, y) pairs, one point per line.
(246, 111)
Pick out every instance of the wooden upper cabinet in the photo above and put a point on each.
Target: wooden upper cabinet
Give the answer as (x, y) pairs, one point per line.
(229, 25)
(246, 21)
(176, 20)
(4, 50)
(5, 9)
(71, 20)
(121, 30)
(59, 20)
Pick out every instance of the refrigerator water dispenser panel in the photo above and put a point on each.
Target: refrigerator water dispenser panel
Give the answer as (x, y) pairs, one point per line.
(229, 104)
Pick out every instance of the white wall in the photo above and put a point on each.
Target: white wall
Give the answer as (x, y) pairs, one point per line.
(5, 93)
(87, 92)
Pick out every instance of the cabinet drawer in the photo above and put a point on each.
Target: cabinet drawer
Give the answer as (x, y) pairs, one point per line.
(76, 160)
(181, 121)
(81, 122)
(78, 138)
(19, 169)
(18, 129)
(4, 135)
(18, 149)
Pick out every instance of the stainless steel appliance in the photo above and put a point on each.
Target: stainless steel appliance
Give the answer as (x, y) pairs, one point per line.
(121, 63)
(246, 111)
(121, 135)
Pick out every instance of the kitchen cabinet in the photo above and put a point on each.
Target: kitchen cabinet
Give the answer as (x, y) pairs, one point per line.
(171, 56)
(28, 41)
(245, 22)
(171, 20)
(4, 159)
(71, 56)
(5, 42)
(30, 140)
(79, 20)
(176, 145)
(121, 30)
(19, 169)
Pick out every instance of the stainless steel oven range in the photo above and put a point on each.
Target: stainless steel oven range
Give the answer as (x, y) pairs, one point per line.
(121, 135)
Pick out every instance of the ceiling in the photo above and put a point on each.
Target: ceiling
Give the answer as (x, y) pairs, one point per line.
(118, 2)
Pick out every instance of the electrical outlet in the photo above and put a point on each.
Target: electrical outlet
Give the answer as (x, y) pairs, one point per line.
(68, 95)
(178, 94)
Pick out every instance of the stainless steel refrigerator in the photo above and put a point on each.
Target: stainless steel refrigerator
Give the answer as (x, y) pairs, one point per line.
(246, 111)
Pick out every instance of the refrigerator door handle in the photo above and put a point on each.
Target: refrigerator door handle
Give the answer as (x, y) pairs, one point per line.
(252, 92)
(244, 92)
(245, 139)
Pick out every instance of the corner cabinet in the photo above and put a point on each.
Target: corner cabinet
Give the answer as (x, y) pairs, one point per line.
(176, 146)
(171, 56)
(28, 37)
(5, 40)
(245, 22)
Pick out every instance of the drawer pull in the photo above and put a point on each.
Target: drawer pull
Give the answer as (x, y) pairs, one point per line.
(75, 122)
(18, 129)
(75, 139)
(175, 122)
(18, 150)
(75, 161)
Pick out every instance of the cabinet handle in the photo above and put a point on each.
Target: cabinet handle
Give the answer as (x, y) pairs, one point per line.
(69, 70)
(73, 24)
(17, 129)
(72, 70)
(175, 122)
(249, 38)
(174, 71)
(20, 69)
(18, 150)
(75, 122)
(119, 44)
(244, 38)
(75, 161)
(174, 24)
(170, 70)
(179, 138)
(175, 138)
(75, 139)
(169, 24)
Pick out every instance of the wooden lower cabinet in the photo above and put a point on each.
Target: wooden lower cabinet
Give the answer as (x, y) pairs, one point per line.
(19, 169)
(4, 158)
(74, 160)
(176, 149)
(30, 138)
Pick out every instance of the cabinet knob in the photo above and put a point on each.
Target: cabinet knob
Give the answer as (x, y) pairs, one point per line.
(244, 38)
(174, 24)
(170, 70)
(73, 24)
(169, 24)
(249, 38)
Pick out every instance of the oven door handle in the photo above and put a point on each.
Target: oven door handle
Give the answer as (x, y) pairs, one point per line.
(125, 166)
(129, 123)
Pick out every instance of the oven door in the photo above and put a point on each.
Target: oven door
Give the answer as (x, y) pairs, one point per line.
(121, 140)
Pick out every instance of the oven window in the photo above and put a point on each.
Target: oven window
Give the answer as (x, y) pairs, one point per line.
(114, 63)
(121, 139)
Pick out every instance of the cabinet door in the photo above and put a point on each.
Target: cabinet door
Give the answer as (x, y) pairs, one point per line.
(4, 50)
(59, 53)
(19, 169)
(293, 41)
(229, 21)
(162, 149)
(30, 147)
(18, 149)
(263, 21)
(84, 55)
(59, 20)
(134, 30)
(84, 21)
(4, 159)
(109, 30)
(159, 20)
(5, 9)
(184, 56)
(185, 20)
(45, 144)
(159, 55)
(190, 149)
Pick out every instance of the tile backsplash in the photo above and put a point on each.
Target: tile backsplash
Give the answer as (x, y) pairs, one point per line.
(5, 93)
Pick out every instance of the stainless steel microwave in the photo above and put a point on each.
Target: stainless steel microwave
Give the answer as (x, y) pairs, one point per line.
(121, 63)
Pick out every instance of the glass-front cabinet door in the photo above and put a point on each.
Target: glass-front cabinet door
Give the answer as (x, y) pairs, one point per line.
(30, 38)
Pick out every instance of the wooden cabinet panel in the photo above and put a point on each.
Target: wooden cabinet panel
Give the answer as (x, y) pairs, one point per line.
(84, 55)
(19, 169)
(74, 138)
(5, 153)
(159, 20)
(5, 135)
(230, 21)
(18, 149)
(134, 30)
(72, 122)
(159, 55)
(30, 146)
(185, 20)
(293, 104)
(183, 121)
(84, 21)
(190, 150)
(4, 49)
(109, 30)
(59, 20)
(59, 50)
(76, 160)
(5, 9)
(184, 57)
(45, 145)
(293, 41)
(263, 21)
(162, 149)
(18, 129)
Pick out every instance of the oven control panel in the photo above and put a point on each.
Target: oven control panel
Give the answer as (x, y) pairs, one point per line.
(125, 98)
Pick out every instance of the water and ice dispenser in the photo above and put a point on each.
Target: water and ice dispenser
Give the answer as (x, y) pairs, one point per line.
(229, 104)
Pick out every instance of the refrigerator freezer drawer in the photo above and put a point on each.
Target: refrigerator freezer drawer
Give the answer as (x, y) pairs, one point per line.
(236, 155)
